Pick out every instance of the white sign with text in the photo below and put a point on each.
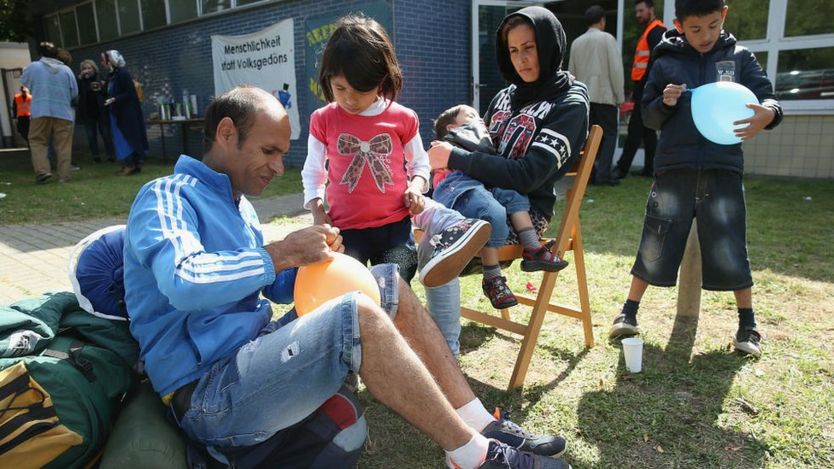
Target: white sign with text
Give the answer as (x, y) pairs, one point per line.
(265, 59)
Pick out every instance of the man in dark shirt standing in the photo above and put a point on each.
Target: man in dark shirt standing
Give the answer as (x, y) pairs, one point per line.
(652, 33)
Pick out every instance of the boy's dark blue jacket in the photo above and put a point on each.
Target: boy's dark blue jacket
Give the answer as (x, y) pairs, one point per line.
(675, 61)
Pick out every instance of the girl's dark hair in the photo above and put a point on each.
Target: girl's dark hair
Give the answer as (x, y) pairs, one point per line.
(361, 51)
(444, 119)
(687, 8)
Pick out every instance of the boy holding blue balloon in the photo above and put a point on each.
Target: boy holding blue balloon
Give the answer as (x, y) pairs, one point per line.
(693, 176)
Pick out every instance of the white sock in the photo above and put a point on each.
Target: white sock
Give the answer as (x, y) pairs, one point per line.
(469, 456)
(475, 415)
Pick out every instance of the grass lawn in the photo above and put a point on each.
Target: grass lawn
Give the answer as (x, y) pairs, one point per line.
(697, 403)
(94, 192)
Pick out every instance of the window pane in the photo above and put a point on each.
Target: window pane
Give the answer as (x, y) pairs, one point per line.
(153, 14)
(129, 16)
(53, 31)
(806, 74)
(804, 17)
(86, 23)
(182, 9)
(211, 6)
(106, 13)
(69, 35)
(747, 19)
(246, 2)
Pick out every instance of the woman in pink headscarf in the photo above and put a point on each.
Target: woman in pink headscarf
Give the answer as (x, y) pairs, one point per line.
(127, 121)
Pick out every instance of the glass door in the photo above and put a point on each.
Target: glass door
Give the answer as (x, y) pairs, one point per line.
(487, 15)
(486, 79)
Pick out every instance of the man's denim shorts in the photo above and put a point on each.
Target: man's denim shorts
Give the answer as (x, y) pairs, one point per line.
(715, 198)
(285, 374)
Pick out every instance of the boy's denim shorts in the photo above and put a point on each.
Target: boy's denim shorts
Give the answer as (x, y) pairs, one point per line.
(285, 374)
(716, 199)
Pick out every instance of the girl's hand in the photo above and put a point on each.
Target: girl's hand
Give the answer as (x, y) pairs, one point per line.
(762, 116)
(320, 216)
(322, 219)
(109, 101)
(439, 154)
(414, 200)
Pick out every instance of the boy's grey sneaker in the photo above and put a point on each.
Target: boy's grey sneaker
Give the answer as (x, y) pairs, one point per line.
(509, 433)
(502, 456)
(445, 254)
(623, 326)
(748, 340)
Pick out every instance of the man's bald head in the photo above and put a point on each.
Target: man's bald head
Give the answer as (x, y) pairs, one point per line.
(241, 105)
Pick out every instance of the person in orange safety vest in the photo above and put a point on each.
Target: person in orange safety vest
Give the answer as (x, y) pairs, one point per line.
(652, 33)
(22, 110)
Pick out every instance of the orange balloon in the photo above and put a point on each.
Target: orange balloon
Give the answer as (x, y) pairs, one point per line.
(315, 284)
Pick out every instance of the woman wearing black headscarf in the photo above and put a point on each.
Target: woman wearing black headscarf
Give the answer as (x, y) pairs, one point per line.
(538, 123)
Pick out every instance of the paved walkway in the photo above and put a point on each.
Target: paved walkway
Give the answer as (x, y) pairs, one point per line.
(34, 258)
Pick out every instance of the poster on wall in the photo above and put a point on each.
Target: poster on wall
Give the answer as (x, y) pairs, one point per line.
(265, 59)
(317, 30)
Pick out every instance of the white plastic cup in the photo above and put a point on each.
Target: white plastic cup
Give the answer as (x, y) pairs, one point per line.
(633, 351)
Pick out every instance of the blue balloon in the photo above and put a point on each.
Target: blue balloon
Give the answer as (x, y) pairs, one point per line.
(717, 105)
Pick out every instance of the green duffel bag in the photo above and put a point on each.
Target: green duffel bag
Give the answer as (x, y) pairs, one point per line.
(144, 437)
(63, 375)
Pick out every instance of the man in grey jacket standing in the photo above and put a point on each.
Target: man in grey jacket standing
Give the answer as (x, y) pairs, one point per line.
(53, 88)
(595, 60)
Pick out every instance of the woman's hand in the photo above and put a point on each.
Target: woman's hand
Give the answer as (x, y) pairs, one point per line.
(762, 116)
(109, 101)
(439, 154)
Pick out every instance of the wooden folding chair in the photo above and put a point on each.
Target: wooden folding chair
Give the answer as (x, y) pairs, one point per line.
(568, 238)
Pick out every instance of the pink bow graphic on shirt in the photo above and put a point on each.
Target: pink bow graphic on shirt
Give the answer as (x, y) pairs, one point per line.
(374, 152)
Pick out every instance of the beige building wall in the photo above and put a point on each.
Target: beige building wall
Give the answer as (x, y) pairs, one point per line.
(801, 146)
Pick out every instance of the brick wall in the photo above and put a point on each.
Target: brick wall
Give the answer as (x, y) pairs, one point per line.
(431, 38)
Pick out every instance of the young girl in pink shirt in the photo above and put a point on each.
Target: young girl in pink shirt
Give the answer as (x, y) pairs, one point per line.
(366, 156)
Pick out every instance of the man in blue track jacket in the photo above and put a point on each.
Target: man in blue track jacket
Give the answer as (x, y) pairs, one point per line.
(195, 267)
